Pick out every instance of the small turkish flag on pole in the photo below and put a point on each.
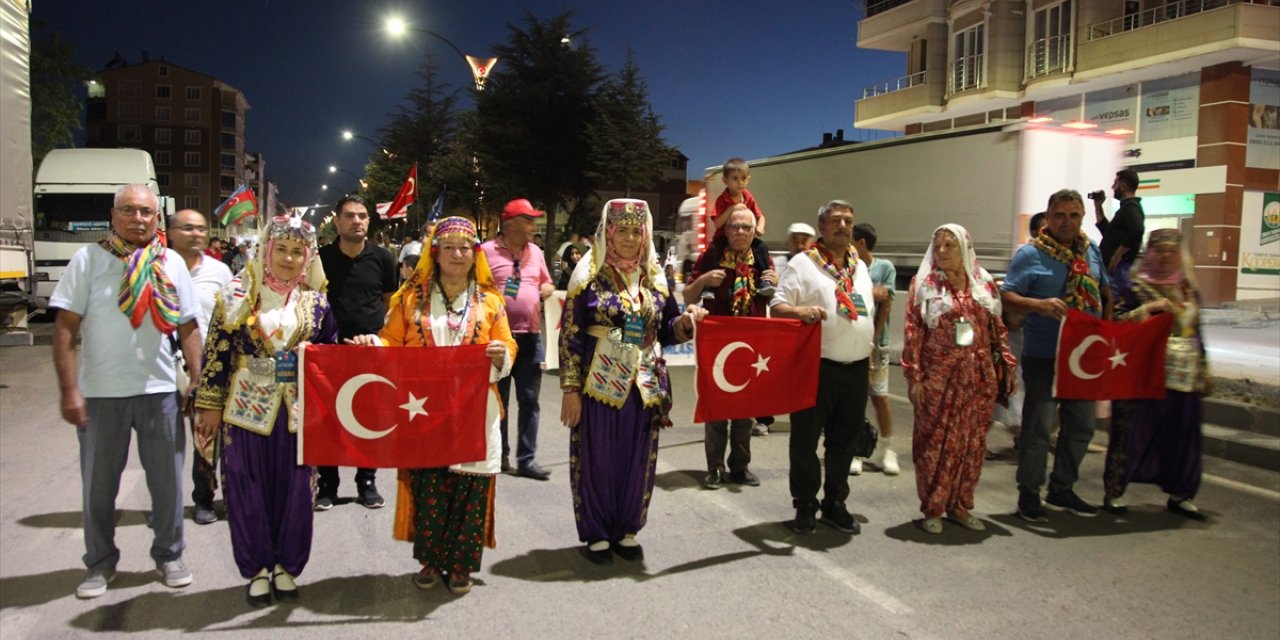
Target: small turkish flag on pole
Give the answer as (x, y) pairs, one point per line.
(1101, 360)
(750, 367)
(392, 407)
(405, 197)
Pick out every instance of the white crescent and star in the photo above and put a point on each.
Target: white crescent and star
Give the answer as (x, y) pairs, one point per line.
(717, 369)
(346, 417)
(1073, 362)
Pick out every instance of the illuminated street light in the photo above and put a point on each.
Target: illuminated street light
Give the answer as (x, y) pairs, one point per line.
(363, 184)
(348, 135)
(480, 67)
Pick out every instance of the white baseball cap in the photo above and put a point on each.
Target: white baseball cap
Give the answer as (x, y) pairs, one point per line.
(801, 227)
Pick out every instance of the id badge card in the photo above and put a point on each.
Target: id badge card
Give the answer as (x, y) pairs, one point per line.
(633, 330)
(859, 304)
(512, 287)
(964, 333)
(286, 367)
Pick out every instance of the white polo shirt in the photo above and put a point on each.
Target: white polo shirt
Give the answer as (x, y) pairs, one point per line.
(207, 280)
(117, 361)
(803, 284)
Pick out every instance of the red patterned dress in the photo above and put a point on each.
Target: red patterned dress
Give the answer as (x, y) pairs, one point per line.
(949, 437)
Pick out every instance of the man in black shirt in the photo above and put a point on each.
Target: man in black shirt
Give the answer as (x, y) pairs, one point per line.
(1122, 235)
(362, 276)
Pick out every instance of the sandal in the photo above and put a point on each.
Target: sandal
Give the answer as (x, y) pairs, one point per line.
(932, 525)
(968, 521)
(459, 583)
(426, 579)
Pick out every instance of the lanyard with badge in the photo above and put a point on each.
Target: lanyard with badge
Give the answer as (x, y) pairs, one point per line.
(964, 327)
(512, 288)
(633, 321)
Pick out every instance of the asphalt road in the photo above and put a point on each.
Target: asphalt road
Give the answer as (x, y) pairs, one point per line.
(719, 564)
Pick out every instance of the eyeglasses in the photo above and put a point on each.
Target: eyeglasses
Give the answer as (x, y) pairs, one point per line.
(130, 211)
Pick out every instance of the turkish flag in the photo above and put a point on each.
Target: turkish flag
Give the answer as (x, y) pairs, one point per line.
(750, 367)
(1101, 360)
(392, 407)
(405, 197)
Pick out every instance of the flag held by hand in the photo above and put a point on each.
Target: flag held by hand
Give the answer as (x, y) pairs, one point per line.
(750, 367)
(1102, 360)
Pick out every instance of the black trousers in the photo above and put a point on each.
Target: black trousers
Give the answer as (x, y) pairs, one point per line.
(327, 483)
(841, 407)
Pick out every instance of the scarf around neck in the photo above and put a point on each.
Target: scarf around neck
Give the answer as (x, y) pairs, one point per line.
(1082, 288)
(744, 286)
(844, 276)
(145, 288)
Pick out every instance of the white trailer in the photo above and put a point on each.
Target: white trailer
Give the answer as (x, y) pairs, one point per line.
(16, 284)
(990, 179)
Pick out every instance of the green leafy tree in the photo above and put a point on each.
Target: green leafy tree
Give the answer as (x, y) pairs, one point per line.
(55, 108)
(627, 149)
(531, 137)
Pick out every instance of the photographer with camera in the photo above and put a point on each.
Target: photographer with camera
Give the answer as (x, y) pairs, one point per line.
(1122, 235)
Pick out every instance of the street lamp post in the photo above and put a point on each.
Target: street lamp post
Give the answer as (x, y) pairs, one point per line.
(348, 135)
(480, 67)
(358, 179)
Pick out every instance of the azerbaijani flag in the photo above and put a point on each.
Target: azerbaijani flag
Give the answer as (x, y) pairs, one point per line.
(239, 206)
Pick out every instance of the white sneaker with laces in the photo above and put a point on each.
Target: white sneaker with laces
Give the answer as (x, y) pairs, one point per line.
(855, 469)
(890, 463)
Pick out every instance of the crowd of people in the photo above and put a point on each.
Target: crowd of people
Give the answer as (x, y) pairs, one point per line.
(169, 332)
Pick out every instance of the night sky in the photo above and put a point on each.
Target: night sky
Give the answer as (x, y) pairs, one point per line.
(747, 79)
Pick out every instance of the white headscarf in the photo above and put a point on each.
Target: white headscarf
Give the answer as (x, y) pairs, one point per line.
(624, 211)
(931, 293)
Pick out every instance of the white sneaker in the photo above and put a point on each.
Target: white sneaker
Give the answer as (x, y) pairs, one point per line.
(890, 463)
(855, 469)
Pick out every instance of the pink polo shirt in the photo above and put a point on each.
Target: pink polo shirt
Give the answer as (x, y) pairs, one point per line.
(524, 310)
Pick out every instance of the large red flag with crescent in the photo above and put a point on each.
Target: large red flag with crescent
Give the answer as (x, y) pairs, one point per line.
(1101, 360)
(405, 197)
(393, 407)
(750, 367)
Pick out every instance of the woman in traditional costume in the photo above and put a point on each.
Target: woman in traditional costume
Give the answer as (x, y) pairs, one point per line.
(618, 315)
(450, 300)
(248, 395)
(953, 333)
(1159, 441)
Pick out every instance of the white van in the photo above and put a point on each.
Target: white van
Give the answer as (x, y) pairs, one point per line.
(73, 195)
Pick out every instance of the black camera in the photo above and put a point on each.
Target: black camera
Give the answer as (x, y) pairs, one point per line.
(1098, 196)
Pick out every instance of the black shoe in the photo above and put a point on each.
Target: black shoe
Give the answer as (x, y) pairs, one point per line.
(263, 600)
(534, 472)
(370, 498)
(1114, 507)
(1030, 509)
(1186, 509)
(628, 553)
(285, 589)
(146, 515)
(713, 479)
(204, 514)
(835, 514)
(744, 477)
(1071, 503)
(323, 503)
(601, 557)
(805, 522)
(506, 464)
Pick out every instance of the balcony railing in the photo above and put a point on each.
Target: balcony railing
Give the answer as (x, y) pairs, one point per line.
(1049, 55)
(905, 82)
(965, 73)
(874, 7)
(1163, 13)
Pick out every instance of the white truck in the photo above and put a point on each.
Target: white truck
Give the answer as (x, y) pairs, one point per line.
(990, 179)
(16, 285)
(74, 192)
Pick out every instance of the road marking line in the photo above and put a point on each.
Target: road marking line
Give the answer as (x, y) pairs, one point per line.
(1240, 486)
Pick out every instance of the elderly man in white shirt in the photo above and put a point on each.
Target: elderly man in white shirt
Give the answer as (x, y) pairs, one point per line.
(828, 284)
(126, 296)
(189, 235)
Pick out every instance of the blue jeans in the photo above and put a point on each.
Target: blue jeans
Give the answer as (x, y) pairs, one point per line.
(1038, 412)
(526, 371)
(104, 452)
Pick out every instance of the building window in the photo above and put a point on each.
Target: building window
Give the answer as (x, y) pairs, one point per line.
(1050, 49)
(191, 115)
(163, 114)
(164, 135)
(128, 89)
(163, 71)
(228, 161)
(191, 202)
(228, 119)
(967, 59)
(162, 179)
(191, 136)
(129, 133)
(164, 91)
(129, 110)
(191, 158)
(228, 183)
(163, 158)
(228, 141)
(193, 93)
(191, 180)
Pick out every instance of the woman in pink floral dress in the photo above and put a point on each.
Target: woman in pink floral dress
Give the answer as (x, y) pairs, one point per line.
(952, 325)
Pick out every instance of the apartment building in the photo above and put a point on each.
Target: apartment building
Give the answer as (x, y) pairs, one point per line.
(192, 124)
(1192, 88)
